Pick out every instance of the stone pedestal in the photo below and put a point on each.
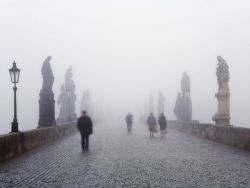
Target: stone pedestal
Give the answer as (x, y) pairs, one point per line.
(46, 110)
(222, 117)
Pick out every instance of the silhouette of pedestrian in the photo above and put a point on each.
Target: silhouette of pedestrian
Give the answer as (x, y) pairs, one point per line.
(151, 122)
(85, 127)
(129, 121)
(163, 124)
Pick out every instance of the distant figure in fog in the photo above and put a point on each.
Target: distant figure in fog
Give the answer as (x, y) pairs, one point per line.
(151, 122)
(129, 121)
(85, 127)
(163, 124)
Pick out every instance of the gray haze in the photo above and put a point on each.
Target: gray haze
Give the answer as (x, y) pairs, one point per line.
(123, 51)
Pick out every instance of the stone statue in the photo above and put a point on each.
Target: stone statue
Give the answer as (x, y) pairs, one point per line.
(183, 105)
(48, 78)
(64, 105)
(67, 99)
(185, 83)
(85, 101)
(47, 102)
(177, 108)
(161, 101)
(151, 104)
(222, 117)
(68, 75)
(222, 72)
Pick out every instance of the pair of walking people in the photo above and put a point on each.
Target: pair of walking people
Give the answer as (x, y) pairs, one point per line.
(152, 124)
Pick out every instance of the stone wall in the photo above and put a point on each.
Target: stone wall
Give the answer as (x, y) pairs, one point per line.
(14, 144)
(233, 136)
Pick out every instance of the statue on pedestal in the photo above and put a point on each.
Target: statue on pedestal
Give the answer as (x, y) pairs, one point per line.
(222, 117)
(86, 104)
(67, 99)
(151, 105)
(161, 101)
(47, 102)
(183, 105)
(185, 83)
(178, 107)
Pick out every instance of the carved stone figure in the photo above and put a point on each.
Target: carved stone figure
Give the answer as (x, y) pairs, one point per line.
(177, 108)
(161, 101)
(68, 78)
(48, 78)
(86, 103)
(222, 117)
(64, 105)
(185, 83)
(222, 73)
(151, 104)
(183, 105)
(67, 99)
(47, 102)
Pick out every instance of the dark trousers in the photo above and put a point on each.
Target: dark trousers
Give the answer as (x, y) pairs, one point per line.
(129, 127)
(85, 141)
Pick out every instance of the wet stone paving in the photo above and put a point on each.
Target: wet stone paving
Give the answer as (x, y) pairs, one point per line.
(117, 159)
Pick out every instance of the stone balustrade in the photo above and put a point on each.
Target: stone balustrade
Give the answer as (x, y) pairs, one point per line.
(14, 144)
(233, 136)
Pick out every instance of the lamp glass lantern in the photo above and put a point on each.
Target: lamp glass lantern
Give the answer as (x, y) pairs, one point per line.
(14, 73)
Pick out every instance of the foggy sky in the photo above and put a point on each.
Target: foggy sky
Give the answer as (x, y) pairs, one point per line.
(123, 51)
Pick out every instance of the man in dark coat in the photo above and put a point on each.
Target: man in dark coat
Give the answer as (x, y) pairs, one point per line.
(163, 124)
(129, 121)
(85, 127)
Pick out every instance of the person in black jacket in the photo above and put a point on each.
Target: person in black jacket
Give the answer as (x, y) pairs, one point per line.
(85, 127)
(129, 121)
(163, 124)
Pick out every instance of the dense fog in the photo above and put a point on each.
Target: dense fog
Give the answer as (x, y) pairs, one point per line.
(125, 51)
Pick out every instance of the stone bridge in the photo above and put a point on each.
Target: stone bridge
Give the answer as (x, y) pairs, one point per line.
(117, 159)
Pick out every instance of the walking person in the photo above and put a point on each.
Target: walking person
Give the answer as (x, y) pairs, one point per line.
(85, 127)
(163, 124)
(151, 122)
(129, 121)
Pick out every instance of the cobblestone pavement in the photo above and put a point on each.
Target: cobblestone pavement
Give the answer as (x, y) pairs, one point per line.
(117, 159)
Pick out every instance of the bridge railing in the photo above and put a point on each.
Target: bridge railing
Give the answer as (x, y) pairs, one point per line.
(14, 144)
(238, 137)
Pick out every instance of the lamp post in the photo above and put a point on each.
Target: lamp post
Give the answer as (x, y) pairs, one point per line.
(14, 75)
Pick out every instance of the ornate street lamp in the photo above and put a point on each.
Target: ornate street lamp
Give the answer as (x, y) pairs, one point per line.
(14, 75)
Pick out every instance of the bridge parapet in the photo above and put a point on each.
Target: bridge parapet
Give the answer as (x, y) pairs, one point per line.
(14, 144)
(233, 136)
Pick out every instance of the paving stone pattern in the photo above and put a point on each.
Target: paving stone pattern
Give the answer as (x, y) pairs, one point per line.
(117, 159)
